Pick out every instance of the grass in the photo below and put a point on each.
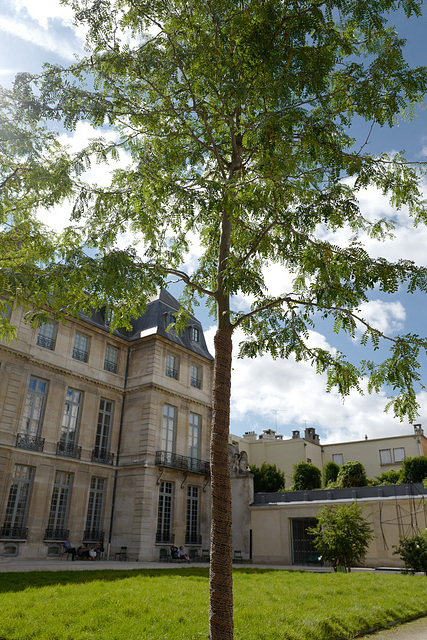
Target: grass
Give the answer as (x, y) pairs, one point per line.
(173, 604)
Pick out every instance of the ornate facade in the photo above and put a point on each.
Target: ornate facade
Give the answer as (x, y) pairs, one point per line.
(105, 435)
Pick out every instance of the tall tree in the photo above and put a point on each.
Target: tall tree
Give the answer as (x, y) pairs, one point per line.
(236, 116)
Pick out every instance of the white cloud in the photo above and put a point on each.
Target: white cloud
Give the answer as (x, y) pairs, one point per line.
(35, 35)
(43, 11)
(387, 317)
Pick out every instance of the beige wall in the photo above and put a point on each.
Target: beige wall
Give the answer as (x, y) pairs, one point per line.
(389, 517)
(288, 452)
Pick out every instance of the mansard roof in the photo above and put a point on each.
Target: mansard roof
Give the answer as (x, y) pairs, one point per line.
(157, 317)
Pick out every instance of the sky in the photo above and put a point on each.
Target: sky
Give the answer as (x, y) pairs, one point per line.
(266, 394)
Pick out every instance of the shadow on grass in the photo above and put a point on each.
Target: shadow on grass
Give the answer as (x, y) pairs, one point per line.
(10, 582)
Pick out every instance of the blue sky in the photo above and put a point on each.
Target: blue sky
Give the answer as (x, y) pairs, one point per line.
(267, 394)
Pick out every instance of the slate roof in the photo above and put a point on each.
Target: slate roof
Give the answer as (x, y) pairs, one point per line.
(155, 321)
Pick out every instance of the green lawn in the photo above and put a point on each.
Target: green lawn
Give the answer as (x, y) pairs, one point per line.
(173, 604)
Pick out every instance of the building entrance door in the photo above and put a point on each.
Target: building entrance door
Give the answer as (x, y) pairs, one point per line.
(302, 543)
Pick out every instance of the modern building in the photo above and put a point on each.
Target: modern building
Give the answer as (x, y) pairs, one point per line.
(105, 435)
(279, 521)
(376, 454)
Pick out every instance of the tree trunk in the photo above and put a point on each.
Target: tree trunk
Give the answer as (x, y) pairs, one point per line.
(221, 580)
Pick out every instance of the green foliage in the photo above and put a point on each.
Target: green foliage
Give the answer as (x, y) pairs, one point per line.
(388, 477)
(306, 476)
(413, 552)
(342, 535)
(413, 469)
(267, 477)
(352, 474)
(330, 472)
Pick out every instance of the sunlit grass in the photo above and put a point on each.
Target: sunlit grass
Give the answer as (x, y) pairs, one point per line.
(173, 604)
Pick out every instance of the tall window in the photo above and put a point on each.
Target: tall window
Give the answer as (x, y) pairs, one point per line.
(81, 347)
(59, 506)
(70, 420)
(196, 377)
(111, 357)
(17, 504)
(195, 334)
(5, 311)
(34, 407)
(194, 437)
(94, 511)
(164, 513)
(103, 430)
(46, 336)
(169, 428)
(172, 366)
(192, 530)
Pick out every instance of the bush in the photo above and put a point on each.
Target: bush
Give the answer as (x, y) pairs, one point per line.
(388, 477)
(352, 474)
(413, 469)
(413, 552)
(342, 535)
(267, 477)
(306, 476)
(330, 472)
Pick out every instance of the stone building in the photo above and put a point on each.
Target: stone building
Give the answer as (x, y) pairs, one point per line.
(105, 435)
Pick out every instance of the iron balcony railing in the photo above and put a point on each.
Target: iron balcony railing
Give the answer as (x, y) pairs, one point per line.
(165, 537)
(78, 354)
(196, 382)
(110, 365)
(193, 538)
(171, 372)
(47, 343)
(68, 450)
(57, 534)
(175, 461)
(13, 533)
(32, 443)
(102, 455)
(93, 535)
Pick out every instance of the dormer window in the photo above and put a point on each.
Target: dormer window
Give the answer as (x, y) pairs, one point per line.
(195, 334)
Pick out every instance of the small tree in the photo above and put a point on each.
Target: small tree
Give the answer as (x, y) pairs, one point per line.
(342, 535)
(306, 476)
(267, 477)
(413, 469)
(330, 472)
(352, 474)
(413, 552)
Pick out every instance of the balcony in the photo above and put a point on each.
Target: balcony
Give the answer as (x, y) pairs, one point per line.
(165, 537)
(57, 535)
(78, 354)
(68, 450)
(93, 535)
(110, 365)
(10, 532)
(45, 342)
(175, 461)
(32, 443)
(172, 372)
(193, 538)
(196, 382)
(102, 455)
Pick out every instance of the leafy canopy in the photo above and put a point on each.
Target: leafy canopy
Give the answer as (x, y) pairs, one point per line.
(236, 121)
